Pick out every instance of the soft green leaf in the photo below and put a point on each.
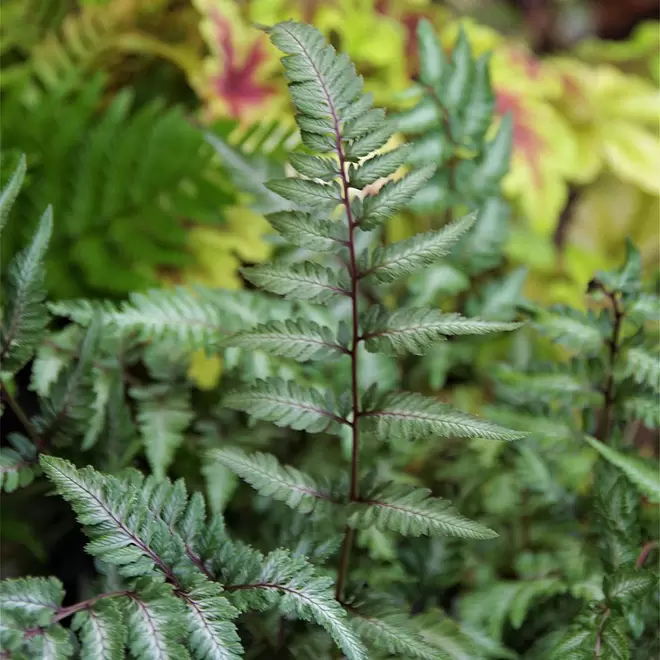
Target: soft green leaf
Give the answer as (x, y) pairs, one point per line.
(460, 81)
(163, 414)
(497, 156)
(414, 330)
(393, 197)
(628, 585)
(479, 109)
(301, 340)
(409, 416)
(433, 148)
(413, 512)
(24, 315)
(10, 192)
(568, 327)
(308, 232)
(646, 408)
(18, 463)
(306, 281)
(645, 477)
(101, 631)
(643, 366)
(285, 403)
(433, 65)
(405, 257)
(420, 119)
(271, 479)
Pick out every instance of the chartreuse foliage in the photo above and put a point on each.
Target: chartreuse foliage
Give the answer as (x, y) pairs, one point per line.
(340, 129)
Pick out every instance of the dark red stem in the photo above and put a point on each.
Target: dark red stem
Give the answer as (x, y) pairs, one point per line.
(605, 421)
(646, 550)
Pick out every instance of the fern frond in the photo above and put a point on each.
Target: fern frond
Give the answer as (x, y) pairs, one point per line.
(626, 586)
(66, 410)
(645, 477)
(314, 167)
(300, 340)
(577, 331)
(53, 643)
(33, 601)
(459, 641)
(403, 258)
(249, 171)
(102, 381)
(163, 414)
(305, 231)
(294, 588)
(408, 416)
(413, 512)
(387, 629)
(147, 529)
(155, 623)
(24, 317)
(309, 195)
(271, 479)
(643, 366)
(646, 307)
(393, 197)
(180, 315)
(212, 635)
(307, 281)
(414, 330)
(285, 403)
(507, 601)
(10, 192)
(646, 408)
(101, 631)
(119, 177)
(378, 166)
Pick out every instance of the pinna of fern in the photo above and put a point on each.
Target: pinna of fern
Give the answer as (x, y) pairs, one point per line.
(340, 128)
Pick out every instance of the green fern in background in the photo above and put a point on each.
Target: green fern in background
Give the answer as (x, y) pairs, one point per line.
(123, 200)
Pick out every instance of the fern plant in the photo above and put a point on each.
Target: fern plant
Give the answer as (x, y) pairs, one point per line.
(123, 203)
(172, 583)
(340, 128)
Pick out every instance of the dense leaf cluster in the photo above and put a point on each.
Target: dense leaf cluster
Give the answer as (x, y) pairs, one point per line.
(376, 507)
